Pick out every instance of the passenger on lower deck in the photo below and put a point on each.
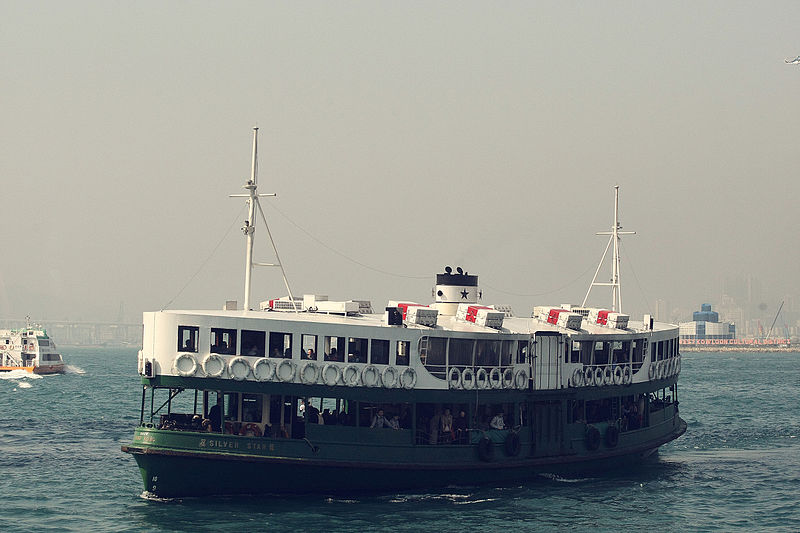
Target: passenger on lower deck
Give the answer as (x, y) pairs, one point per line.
(498, 421)
(460, 427)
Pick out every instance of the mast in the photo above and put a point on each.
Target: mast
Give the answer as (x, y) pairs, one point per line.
(249, 228)
(616, 287)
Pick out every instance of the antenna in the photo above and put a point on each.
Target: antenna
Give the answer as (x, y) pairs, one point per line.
(249, 227)
(616, 287)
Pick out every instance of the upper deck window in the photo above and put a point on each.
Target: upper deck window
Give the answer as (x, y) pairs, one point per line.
(253, 342)
(334, 348)
(357, 350)
(432, 353)
(461, 352)
(187, 338)
(380, 352)
(487, 353)
(403, 349)
(522, 352)
(280, 345)
(223, 341)
(309, 346)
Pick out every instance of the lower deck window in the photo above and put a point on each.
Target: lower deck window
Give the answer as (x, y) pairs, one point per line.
(253, 342)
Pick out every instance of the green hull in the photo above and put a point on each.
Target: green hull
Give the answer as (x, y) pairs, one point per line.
(175, 464)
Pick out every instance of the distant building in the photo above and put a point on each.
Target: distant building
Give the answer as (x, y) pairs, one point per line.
(705, 324)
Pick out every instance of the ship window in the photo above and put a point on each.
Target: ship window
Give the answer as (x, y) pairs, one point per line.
(601, 351)
(231, 406)
(522, 352)
(460, 352)
(187, 338)
(357, 350)
(507, 353)
(280, 345)
(309, 345)
(380, 352)
(403, 349)
(253, 342)
(334, 349)
(251, 407)
(432, 354)
(223, 341)
(621, 351)
(661, 350)
(487, 353)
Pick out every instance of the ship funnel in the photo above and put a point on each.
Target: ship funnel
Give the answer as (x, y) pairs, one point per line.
(453, 289)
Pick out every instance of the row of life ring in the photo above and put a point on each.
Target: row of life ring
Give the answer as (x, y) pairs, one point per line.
(602, 375)
(664, 369)
(286, 370)
(481, 379)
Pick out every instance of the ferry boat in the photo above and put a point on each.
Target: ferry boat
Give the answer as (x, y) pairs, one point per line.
(310, 395)
(29, 349)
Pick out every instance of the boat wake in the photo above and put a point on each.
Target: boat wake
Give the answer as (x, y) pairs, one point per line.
(560, 479)
(149, 496)
(69, 369)
(17, 375)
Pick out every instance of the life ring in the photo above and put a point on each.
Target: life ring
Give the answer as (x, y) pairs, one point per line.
(608, 375)
(251, 430)
(186, 369)
(592, 438)
(577, 378)
(326, 373)
(209, 364)
(626, 375)
(468, 378)
(408, 383)
(521, 379)
(239, 363)
(508, 378)
(371, 376)
(617, 375)
(598, 376)
(513, 444)
(481, 378)
(495, 378)
(612, 436)
(651, 372)
(588, 376)
(268, 371)
(351, 375)
(486, 449)
(389, 377)
(305, 378)
(660, 370)
(282, 374)
(454, 378)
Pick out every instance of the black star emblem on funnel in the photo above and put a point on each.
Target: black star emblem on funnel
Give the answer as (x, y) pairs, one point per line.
(464, 294)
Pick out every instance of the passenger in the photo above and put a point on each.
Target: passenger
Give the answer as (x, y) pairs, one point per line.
(394, 422)
(215, 416)
(460, 427)
(498, 422)
(334, 355)
(276, 352)
(434, 427)
(311, 414)
(189, 345)
(197, 422)
(379, 420)
(447, 426)
(310, 355)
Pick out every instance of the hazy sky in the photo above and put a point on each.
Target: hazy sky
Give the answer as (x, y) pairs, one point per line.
(406, 136)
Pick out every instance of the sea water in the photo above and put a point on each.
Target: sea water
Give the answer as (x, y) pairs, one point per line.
(737, 467)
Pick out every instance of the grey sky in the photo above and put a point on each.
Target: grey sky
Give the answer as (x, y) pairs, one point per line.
(405, 135)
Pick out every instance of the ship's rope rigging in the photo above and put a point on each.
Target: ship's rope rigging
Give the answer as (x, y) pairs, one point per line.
(204, 263)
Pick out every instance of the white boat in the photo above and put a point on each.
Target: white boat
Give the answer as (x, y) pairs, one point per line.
(29, 349)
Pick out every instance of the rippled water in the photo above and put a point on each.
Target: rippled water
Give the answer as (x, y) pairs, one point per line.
(736, 468)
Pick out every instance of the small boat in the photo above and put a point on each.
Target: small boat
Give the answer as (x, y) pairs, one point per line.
(306, 394)
(29, 349)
